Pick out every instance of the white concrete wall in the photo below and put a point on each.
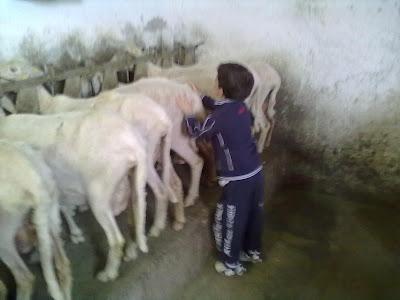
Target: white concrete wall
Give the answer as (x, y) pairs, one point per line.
(339, 60)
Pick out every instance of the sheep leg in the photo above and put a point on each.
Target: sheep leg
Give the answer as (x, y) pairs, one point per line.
(9, 254)
(84, 207)
(264, 128)
(179, 212)
(159, 191)
(175, 183)
(270, 113)
(99, 200)
(154, 179)
(173, 186)
(183, 148)
(179, 208)
(41, 221)
(269, 135)
(160, 217)
(76, 234)
(3, 291)
(155, 182)
(61, 261)
(161, 202)
(261, 123)
(138, 179)
(175, 194)
(63, 267)
(209, 176)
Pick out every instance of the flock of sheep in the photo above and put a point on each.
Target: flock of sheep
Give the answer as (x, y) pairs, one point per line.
(100, 152)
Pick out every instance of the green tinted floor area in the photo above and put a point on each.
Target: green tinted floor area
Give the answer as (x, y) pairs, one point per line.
(316, 246)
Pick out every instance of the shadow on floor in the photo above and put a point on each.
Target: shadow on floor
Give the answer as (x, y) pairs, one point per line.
(316, 246)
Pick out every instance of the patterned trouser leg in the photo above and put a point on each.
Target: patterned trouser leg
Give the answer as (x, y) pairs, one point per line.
(252, 237)
(238, 218)
(217, 227)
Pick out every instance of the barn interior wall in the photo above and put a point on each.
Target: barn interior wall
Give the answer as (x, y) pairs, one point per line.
(339, 104)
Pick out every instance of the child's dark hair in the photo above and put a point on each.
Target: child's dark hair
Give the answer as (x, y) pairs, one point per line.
(235, 80)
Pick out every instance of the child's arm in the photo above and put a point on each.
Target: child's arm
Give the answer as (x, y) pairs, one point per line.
(208, 102)
(197, 129)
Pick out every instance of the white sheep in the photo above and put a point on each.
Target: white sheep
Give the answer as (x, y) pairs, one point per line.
(166, 93)
(261, 100)
(98, 150)
(2, 108)
(27, 184)
(19, 70)
(108, 79)
(3, 291)
(7, 104)
(152, 122)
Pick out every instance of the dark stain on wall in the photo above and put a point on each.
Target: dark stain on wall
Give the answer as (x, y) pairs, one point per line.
(366, 162)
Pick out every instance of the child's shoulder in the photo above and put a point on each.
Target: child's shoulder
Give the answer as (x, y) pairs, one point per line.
(238, 108)
(230, 110)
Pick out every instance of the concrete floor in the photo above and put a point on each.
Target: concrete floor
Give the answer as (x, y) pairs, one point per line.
(316, 246)
(173, 259)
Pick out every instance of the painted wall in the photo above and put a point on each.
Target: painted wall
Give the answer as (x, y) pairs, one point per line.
(339, 61)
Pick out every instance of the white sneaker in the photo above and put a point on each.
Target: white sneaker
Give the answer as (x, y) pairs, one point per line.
(227, 270)
(251, 256)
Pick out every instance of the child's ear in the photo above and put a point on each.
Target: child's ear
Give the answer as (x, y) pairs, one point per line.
(221, 93)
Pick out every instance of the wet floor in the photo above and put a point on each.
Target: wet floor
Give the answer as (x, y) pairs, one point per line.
(316, 246)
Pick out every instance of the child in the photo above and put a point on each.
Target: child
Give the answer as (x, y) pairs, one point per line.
(239, 215)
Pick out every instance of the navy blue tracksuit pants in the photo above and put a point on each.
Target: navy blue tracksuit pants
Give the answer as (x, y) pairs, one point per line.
(239, 218)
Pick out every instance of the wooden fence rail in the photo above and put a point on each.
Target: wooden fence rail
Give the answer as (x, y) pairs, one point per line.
(182, 55)
(15, 86)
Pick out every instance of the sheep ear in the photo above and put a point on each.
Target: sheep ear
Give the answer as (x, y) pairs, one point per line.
(7, 104)
(42, 91)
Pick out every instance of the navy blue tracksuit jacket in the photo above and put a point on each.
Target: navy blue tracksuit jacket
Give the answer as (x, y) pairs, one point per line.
(238, 219)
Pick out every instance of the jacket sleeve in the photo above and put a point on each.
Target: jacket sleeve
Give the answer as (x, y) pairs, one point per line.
(208, 102)
(204, 130)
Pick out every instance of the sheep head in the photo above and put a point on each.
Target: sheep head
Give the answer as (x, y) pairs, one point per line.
(7, 105)
(18, 70)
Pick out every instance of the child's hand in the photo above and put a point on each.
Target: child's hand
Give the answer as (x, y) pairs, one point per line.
(185, 105)
(193, 87)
